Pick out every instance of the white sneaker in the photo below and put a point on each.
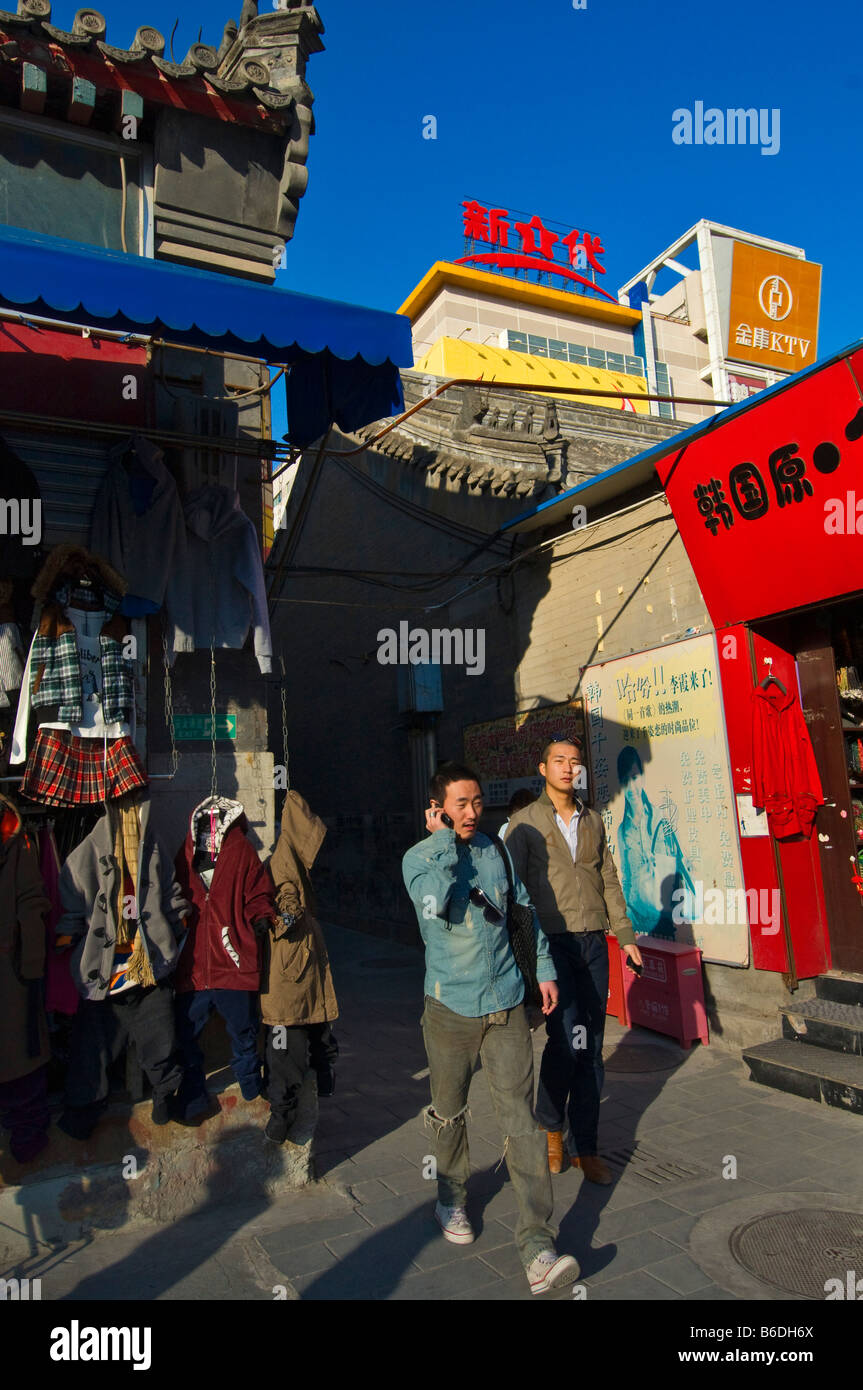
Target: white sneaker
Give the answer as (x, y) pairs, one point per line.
(551, 1271)
(454, 1224)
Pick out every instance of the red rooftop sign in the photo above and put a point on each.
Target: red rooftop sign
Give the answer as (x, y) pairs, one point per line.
(493, 225)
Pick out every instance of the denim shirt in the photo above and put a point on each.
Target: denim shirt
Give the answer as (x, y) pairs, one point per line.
(470, 966)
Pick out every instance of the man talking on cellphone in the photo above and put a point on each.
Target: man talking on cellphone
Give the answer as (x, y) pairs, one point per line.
(561, 854)
(457, 881)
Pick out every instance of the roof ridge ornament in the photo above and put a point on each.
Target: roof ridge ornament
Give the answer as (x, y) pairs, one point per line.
(150, 39)
(174, 69)
(37, 10)
(256, 72)
(203, 57)
(90, 23)
(65, 38)
(121, 55)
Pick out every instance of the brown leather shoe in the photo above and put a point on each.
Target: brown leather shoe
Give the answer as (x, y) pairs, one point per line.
(594, 1169)
(556, 1162)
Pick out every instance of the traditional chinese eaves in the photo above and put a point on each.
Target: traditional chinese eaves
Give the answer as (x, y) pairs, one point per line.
(228, 128)
(255, 75)
(481, 440)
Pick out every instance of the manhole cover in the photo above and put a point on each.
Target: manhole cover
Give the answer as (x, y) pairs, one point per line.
(386, 963)
(798, 1251)
(640, 1057)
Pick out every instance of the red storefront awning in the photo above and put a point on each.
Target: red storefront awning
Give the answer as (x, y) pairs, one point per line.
(768, 498)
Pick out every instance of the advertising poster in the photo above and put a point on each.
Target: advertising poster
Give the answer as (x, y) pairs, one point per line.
(660, 780)
(506, 752)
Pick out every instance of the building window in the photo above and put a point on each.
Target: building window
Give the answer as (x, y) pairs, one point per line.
(577, 353)
(85, 187)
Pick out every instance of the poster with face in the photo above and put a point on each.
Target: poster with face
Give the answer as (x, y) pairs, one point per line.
(661, 782)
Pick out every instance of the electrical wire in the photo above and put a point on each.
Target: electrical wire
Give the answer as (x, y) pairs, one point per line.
(413, 509)
(495, 572)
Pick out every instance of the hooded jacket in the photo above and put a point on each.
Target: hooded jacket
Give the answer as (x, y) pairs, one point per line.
(91, 887)
(222, 578)
(23, 904)
(297, 985)
(138, 525)
(52, 684)
(785, 778)
(223, 950)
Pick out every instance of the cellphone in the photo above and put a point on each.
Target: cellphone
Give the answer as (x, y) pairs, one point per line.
(445, 819)
(630, 965)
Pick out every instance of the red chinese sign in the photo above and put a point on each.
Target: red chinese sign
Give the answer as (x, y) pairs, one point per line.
(491, 225)
(769, 503)
(742, 387)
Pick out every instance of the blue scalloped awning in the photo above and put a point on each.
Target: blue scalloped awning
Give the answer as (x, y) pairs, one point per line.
(344, 359)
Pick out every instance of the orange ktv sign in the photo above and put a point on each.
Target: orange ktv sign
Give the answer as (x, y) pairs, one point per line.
(773, 315)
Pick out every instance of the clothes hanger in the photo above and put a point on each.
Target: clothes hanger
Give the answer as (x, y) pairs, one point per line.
(770, 677)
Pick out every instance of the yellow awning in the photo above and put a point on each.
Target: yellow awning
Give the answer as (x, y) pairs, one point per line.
(451, 357)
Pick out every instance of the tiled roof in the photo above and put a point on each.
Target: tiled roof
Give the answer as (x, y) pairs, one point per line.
(83, 51)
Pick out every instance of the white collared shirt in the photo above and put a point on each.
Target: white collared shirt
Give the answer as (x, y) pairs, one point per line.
(570, 832)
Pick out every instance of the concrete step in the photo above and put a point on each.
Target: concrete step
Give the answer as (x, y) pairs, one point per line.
(811, 1072)
(840, 986)
(824, 1023)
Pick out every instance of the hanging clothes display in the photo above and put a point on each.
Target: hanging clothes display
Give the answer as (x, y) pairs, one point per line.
(298, 1000)
(138, 525)
(61, 996)
(232, 898)
(79, 685)
(122, 905)
(123, 916)
(785, 779)
(222, 581)
(24, 1049)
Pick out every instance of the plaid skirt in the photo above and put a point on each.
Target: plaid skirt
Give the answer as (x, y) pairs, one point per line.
(66, 771)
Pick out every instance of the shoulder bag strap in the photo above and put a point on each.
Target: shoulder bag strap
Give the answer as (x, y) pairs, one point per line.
(499, 845)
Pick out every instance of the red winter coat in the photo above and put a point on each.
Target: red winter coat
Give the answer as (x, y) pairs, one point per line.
(785, 778)
(222, 951)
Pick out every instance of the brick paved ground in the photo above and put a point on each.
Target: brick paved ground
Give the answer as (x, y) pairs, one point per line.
(365, 1229)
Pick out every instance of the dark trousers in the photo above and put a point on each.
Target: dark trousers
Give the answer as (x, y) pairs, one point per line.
(24, 1111)
(239, 1009)
(290, 1052)
(100, 1030)
(571, 1073)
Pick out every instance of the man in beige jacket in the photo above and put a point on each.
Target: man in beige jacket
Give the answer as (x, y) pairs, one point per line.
(561, 854)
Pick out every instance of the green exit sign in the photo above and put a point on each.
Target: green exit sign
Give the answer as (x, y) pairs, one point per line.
(191, 726)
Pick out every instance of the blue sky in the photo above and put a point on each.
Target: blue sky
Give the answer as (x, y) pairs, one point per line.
(568, 113)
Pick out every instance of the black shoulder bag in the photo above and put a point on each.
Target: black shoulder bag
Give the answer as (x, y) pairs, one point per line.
(522, 934)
